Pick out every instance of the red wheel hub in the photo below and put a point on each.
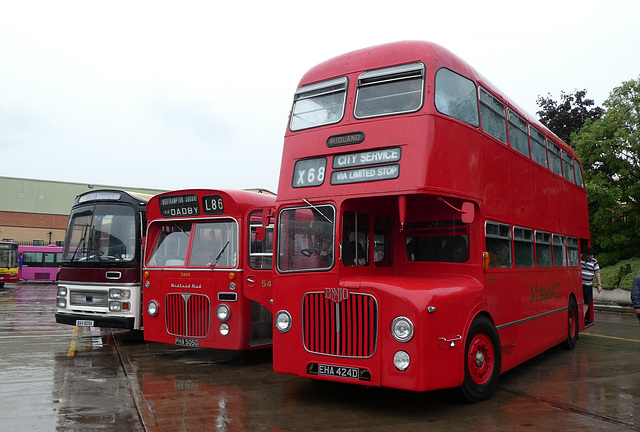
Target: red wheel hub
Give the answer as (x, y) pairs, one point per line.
(480, 359)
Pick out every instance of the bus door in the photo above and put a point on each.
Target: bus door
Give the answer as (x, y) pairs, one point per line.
(258, 273)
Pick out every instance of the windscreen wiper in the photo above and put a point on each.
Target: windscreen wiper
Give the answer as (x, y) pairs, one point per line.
(318, 210)
(80, 243)
(215, 261)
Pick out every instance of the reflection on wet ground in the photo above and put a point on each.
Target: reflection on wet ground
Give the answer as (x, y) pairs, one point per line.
(57, 377)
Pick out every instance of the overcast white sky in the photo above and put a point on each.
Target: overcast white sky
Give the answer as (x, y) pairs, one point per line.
(181, 94)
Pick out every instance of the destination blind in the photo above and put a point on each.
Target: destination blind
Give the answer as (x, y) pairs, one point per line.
(179, 205)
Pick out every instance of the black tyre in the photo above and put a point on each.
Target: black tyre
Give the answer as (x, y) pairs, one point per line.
(572, 324)
(482, 361)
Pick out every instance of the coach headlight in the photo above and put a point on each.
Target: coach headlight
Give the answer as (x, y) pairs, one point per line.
(283, 321)
(152, 308)
(223, 312)
(119, 294)
(402, 329)
(401, 360)
(62, 291)
(224, 329)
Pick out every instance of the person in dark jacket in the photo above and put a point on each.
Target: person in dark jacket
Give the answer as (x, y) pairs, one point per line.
(635, 295)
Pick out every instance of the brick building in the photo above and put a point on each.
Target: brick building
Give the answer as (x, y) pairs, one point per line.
(37, 211)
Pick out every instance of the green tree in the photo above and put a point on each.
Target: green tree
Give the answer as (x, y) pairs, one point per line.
(609, 149)
(568, 115)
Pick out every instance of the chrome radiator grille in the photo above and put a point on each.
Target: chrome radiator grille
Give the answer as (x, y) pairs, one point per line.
(347, 328)
(187, 315)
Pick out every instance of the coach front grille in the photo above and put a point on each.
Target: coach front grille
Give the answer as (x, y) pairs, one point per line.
(347, 328)
(187, 315)
(89, 298)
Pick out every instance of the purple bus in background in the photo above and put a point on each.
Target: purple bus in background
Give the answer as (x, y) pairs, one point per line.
(39, 263)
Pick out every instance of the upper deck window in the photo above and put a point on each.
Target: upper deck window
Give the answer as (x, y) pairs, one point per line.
(578, 171)
(538, 148)
(493, 117)
(567, 165)
(456, 96)
(393, 90)
(555, 163)
(518, 133)
(318, 104)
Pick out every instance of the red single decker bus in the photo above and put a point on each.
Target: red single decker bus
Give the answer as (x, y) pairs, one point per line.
(208, 265)
(428, 230)
(101, 264)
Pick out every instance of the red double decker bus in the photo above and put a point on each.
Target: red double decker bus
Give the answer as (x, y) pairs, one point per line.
(208, 265)
(428, 230)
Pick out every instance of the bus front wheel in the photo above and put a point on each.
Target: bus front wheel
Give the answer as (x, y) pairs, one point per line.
(482, 362)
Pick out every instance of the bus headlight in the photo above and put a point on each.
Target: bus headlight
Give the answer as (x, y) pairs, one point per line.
(224, 329)
(401, 360)
(152, 308)
(283, 321)
(62, 303)
(115, 306)
(119, 294)
(223, 312)
(402, 329)
(62, 291)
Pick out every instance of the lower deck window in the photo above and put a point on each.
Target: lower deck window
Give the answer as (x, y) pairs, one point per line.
(498, 238)
(438, 241)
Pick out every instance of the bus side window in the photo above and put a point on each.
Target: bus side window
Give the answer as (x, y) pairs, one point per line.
(493, 117)
(498, 238)
(518, 133)
(555, 163)
(543, 249)
(559, 251)
(523, 247)
(261, 243)
(574, 251)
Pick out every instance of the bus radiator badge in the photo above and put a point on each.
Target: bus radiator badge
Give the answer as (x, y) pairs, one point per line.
(336, 294)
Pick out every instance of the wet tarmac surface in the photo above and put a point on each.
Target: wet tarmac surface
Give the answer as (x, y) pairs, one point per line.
(56, 377)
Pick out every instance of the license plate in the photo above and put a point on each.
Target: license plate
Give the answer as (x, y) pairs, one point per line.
(84, 323)
(187, 342)
(338, 371)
